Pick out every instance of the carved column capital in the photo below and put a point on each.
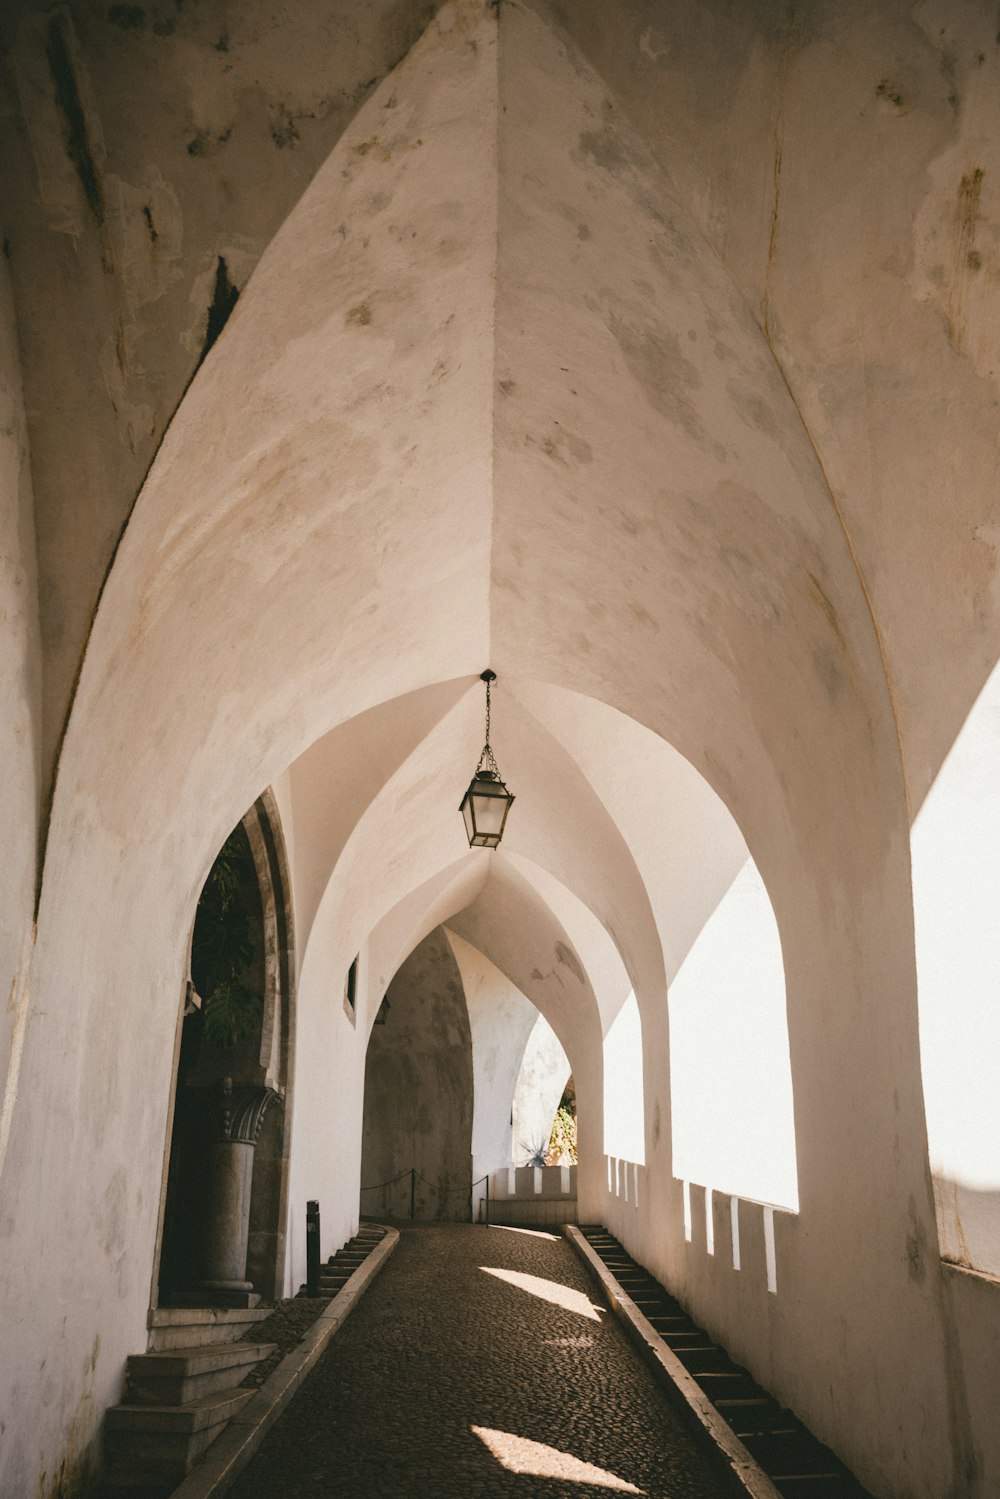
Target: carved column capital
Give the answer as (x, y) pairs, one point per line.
(241, 1115)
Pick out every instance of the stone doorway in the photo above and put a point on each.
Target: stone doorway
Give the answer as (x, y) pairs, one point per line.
(222, 1237)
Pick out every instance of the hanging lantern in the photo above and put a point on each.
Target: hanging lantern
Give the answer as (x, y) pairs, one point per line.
(487, 801)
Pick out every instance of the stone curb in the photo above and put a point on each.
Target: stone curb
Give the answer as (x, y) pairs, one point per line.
(229, 1454)
(746, 1477)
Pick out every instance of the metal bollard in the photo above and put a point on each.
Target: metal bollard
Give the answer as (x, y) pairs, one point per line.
(312, 1248)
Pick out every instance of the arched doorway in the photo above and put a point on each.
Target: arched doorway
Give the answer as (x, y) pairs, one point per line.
(223, 1221)
(416, 1152)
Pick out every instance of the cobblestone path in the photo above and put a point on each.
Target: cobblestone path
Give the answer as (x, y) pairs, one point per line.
(480, 1363)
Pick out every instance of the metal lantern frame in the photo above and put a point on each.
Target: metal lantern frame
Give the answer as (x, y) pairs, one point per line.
(480, 806)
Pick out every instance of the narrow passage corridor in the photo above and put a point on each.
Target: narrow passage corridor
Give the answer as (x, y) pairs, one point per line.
(480, 1363)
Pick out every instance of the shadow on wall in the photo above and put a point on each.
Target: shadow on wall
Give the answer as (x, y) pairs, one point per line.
(418, 1093)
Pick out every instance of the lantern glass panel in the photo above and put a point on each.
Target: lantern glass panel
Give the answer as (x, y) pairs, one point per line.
(489, 810)
(484, 810)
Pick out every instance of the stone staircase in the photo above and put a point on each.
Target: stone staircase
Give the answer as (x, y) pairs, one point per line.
(797, 1464)
(334, 1275)
(176, 1402)
(196, 1376)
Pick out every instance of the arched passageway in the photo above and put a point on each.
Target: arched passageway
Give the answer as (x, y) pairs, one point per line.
(519, 380)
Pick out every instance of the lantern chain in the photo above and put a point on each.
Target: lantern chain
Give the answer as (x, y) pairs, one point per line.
(487, 759)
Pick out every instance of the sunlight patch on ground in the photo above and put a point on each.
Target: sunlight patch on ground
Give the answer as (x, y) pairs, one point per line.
(519, 1455)
(547, 1290)
(536, 1233)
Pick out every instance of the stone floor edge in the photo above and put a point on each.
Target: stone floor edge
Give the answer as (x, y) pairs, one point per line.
(746, 1477)
(229, 1454)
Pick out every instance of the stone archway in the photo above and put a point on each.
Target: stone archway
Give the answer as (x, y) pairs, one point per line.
(222, 1222)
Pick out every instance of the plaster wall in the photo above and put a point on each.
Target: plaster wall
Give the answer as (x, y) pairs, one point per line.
(556, 817)
(328, 1100)
(418, 1109)
(501, 1022)
(416, 915)
(376, 865)
(512, 923)
(20, 678)
(604, 964)
(404, 830)
(702, 390)
(132, 834)
(148, 162)
(399, 841)
(685, 842)
(339, 776)
(970, 1301)
(541, 1082)
(326, 1161)
(842, 162)
(804, 750)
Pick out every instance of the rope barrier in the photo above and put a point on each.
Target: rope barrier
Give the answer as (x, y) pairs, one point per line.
(414, 1175)
(377, 1186)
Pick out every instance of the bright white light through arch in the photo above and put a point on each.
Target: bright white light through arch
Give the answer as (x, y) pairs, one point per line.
(956, 902)
(730, 1070)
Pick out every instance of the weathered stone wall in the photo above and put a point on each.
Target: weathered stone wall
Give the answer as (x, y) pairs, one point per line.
(418, 1090)
(150, 155)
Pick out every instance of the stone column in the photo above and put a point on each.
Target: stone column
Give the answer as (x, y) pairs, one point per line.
(231, 1177)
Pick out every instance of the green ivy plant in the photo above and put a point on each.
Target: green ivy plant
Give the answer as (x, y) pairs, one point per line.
(562, 1142)
(560, 1146)
(222, 948)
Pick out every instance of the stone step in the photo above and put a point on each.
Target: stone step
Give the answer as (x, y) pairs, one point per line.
(192, 1327)
(176, 1420)
(819, 1486)
(338, 1269)
(176, 1376)
(792, 1454)
(156, 1446)
(707, 1359)
(219, 1296)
